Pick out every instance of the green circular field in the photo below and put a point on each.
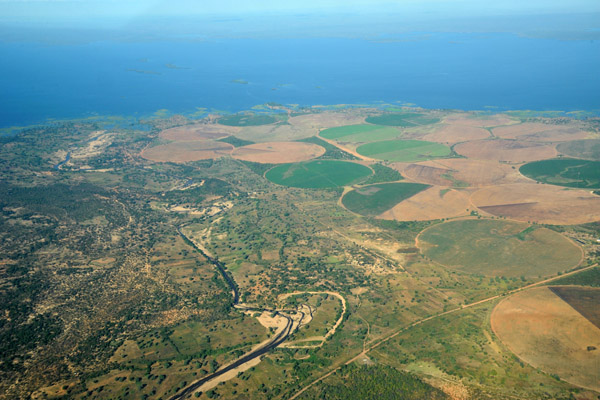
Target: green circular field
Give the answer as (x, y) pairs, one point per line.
(499, 248)
(588, 149)
(564, 172)
(404, 150)
(375, 199)
(318, 174)
(405, 120)
(360, 133)
(246, 120)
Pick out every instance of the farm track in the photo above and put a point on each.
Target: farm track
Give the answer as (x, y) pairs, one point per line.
(423, 320)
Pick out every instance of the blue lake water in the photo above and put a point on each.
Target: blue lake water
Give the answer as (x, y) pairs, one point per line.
(457, 71)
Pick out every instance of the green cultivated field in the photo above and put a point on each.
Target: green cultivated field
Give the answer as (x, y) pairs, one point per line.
(587, 149)
(402, 119)
(247, 120)
(318, 174)
(564, 172)
(499, 248)
(404, 150)
(374, 199)
(360, 133)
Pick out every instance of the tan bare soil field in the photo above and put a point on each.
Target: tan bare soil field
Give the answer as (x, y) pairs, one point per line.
(327, 119)
(189, 133)
(505, 150)
(539, 132)
(549, 334)
(585, 300)
(433, 203)
(459, 172)
(487, 121)
(546, 204)
(457, 133)
(180, 152)
(278, 152)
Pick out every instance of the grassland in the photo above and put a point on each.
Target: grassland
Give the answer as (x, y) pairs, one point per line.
(404, 120)
(360, 133)
(564, 172)
(404, 150)
(373, 200)
(247, 120)
(499, 248)
(318, 174)
(587, 149)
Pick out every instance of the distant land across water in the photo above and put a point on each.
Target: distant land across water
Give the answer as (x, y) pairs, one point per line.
(432, 70)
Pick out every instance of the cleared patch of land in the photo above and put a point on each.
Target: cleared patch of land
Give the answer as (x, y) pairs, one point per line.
(433, 203)
(188, 133)
(480, 121)
(278, 152)
(326, 119)
(539, 132)
(403, 150)
(247, 120)
(457, 172)
(375, 199)
(543, 204)
(406, 119)
(567, 172)
(548, 333)
(360, 133)
(499, 248)
(318, 174)
(457, 133)
(505, 150)
(587, 149)
(180, 152)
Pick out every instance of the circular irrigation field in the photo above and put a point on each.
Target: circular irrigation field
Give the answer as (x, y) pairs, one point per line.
(587, 149)
(499, 248)
(567, 172)
(404, 150)
(278, 152)
(405, 120)
(318, 174)
(373, 200)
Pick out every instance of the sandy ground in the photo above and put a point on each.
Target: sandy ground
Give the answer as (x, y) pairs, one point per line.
(547, 333)
(505, 150)
(471, 172)
(434, 203)
(278, 152)
(539, 132)
(450, 134)
(539, 203)
(188, 133)
(180, 152)
(487, 121)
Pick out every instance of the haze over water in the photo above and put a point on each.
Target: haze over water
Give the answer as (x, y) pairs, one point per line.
(130, 74)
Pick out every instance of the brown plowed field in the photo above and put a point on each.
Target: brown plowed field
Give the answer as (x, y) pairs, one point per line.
(505, 150)
(539, 132)
(180, 152)
(433, 203)
(549, 334)
(585, 300)
(190, 133)
(449, 134)
(459, 172)
(489, 121)
(546, 204)
(278, 152)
